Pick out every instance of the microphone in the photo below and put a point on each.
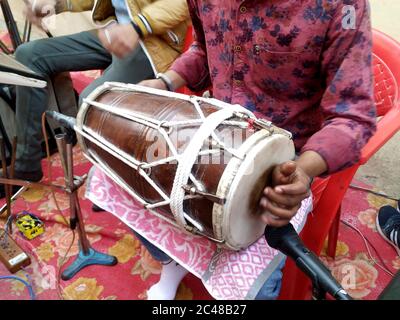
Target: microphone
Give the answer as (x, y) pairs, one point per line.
(66, 121)
(286, 240)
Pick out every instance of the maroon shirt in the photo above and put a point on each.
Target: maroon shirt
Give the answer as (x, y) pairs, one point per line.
(303, 64)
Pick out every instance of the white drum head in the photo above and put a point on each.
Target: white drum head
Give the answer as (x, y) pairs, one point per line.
(238, 221)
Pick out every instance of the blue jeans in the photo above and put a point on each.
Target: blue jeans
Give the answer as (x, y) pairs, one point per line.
(269, 291)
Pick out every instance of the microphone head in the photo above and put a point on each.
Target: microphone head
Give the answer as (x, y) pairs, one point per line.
(275, 236)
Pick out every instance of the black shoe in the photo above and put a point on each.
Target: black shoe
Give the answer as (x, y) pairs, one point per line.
(388, 225)
(96, 208)
(35, 176)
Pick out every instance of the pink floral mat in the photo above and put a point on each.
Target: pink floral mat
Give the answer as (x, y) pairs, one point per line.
(226, 274)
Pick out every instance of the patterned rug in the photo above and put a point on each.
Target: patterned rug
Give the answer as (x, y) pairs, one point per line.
(129, 279)
(137, 271)
(353, 262)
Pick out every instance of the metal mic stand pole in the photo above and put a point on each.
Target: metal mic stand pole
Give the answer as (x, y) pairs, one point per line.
(8, 174)
(11, 24)
(87, 255)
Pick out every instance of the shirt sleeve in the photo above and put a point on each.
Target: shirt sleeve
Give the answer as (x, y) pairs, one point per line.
(192, 65)
(347, 105)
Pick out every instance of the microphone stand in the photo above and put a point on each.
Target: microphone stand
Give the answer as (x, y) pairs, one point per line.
(8, 174)
(87, 255)
(11, 24)
(286, 240)
(13, 31)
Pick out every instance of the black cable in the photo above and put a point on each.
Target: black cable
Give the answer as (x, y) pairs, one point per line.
(379, 194)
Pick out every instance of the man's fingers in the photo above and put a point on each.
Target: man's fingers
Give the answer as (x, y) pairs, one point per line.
(277, 211)
(270, 220)
(103, 39)
(296, 188)
(119, 50)
(288, 168)
(113, 44)
(283, 173)
(282, 199)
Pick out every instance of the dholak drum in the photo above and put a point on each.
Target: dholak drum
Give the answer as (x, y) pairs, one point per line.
(198, 163)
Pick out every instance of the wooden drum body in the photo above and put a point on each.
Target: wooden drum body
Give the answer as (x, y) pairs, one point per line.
(198, 163)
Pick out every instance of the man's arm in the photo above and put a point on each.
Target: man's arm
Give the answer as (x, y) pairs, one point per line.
(156, 18)
(348, 106)
(191, 68)
(349, 113)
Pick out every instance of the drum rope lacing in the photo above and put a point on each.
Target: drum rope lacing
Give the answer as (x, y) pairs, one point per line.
(189, 156)
(185, 160)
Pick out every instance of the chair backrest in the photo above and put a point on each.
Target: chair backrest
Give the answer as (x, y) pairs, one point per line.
(386, 90)
(386, 68)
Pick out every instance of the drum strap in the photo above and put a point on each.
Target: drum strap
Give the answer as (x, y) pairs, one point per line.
(188, 158)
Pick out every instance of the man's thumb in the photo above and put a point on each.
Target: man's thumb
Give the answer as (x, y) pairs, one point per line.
(288, 168)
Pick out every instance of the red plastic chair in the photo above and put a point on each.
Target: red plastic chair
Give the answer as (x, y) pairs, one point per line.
(329, 192)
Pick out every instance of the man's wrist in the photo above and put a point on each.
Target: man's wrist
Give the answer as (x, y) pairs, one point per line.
(312, 164)
(166, 80)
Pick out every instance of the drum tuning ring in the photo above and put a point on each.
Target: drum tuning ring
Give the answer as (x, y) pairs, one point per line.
(209, 196)
(145, 170)
(164, 127)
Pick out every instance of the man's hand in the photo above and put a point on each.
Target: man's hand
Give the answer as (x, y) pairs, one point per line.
(119, 40)
(36, 10)
(153, 83)
(176, 79)
(280, 202)
(290, 186)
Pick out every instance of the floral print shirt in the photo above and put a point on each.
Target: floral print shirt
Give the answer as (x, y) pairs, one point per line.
(303, 64)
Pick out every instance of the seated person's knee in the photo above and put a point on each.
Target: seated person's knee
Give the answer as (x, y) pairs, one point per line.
(29, 54)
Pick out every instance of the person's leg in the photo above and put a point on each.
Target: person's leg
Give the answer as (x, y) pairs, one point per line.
(47, 57)
(272, 287)
(171, 274)
(132, 69)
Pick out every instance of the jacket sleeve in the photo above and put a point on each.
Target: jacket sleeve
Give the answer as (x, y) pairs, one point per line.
(74, 5)
(347, 105)
(162, 15)
(192, 65)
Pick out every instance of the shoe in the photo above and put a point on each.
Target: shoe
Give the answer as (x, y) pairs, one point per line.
(34, 176)
(388, 225)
